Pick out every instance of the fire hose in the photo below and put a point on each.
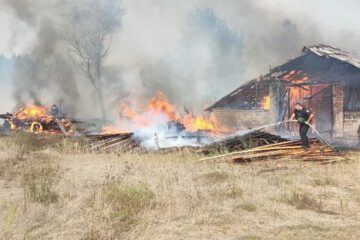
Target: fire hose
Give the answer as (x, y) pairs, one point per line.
(311, 126)
(321, 137)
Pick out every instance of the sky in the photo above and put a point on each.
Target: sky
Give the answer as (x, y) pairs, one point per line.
(330, 15)
(152, 29)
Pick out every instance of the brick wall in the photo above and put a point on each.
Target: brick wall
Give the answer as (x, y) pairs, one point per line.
(338, 109)
(351, 124)
(346, 124)
(241, 119)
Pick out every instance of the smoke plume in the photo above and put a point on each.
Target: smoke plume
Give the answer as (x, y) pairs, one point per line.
(193, 51)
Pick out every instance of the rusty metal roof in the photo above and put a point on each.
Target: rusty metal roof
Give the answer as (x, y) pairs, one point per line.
(323, 50)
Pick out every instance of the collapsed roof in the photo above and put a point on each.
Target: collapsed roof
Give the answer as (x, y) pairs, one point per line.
(315, 65)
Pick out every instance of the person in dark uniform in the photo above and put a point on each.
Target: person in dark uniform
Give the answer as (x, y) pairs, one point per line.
(54, 110)
(304, 117)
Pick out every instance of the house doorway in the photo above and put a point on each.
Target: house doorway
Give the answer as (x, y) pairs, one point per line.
(317, 98)
(321, 104)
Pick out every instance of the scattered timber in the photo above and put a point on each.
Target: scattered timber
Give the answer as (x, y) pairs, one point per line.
(242, 142)
(113, 143)
(284, 151)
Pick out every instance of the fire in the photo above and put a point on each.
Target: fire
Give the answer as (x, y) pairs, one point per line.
(297, 94)
(160, 106)
(35, 119)
(31, 111)
(133, 116)
(200, 122)
(110, 130)
(265, 103)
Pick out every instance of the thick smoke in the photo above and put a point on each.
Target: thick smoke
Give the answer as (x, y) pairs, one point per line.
(215, 48)
(44, 75)
(193, 51)
(208, 57)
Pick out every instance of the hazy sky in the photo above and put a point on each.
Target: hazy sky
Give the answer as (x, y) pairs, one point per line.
(330, 15)
(161, 22)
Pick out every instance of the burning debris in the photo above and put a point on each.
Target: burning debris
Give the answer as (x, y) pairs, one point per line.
(37, 119)
(113, 143)
(155, 125)
(197, 134)
(241, 142)
(159, 125)
(159, 110)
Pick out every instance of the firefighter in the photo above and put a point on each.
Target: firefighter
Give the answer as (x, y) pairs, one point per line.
(54, 110)
(304, 117)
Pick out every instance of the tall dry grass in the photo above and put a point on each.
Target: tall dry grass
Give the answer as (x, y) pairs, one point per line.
(60, 192)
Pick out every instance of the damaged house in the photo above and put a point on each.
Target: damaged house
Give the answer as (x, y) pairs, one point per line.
(325, 79)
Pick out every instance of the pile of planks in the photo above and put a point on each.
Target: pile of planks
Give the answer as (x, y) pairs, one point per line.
(284, 151)
(113, 143)
(126, 142)
(242, 142)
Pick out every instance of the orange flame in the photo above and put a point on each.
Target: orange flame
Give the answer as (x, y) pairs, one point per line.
(134, 116)
(297, 94)
(31, 111)
(200, 122)
(110, 130)
(159, 105)
(37, 119)
(265, 103)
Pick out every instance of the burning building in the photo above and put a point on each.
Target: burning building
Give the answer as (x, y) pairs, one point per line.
(324, 78)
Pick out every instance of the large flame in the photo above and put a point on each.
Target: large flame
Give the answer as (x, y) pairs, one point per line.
(159, 106)
(200, 122)
(31, 111)
(136, 117)
(35, 118)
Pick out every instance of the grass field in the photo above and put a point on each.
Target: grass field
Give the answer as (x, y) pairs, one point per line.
(59, 192)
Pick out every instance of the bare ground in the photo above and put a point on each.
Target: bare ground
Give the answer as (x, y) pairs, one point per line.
(61, 193)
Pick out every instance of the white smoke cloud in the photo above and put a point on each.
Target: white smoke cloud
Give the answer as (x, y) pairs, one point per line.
(154, 50)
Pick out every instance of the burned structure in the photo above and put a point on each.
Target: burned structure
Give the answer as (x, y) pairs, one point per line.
(324, 78)
(36, 119)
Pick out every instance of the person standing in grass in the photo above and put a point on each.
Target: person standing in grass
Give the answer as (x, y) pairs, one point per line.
(304, 117)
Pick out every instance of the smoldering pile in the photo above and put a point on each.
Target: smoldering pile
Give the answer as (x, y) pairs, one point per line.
(237, 148)
(253, 146)
(128, 142)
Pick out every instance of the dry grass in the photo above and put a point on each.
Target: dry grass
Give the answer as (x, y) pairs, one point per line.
(59, 192)
(39, 176)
